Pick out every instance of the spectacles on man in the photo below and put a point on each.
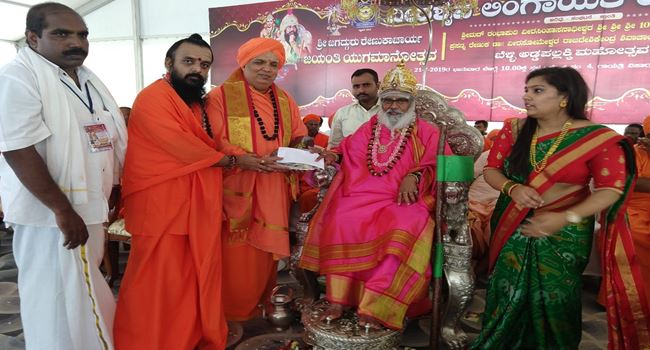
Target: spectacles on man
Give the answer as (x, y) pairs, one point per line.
(400, 102)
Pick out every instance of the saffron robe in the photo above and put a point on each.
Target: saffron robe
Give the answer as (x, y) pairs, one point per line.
(321, 140)
(256, 205)
(170, 296)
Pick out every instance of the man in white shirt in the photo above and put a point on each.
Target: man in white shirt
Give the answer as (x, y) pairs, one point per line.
(365, 84)
(62, 139)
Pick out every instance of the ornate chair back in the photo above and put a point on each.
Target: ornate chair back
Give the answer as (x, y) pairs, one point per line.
(455, 174)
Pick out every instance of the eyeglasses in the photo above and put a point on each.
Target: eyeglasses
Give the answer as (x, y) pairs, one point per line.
(401, 102)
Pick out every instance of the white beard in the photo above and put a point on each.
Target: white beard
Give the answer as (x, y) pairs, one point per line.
(394, 119)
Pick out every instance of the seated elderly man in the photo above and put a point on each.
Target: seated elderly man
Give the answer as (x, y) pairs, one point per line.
(372, 235)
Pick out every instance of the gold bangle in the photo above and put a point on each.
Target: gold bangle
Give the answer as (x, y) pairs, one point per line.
(507, 187)
(512, 188)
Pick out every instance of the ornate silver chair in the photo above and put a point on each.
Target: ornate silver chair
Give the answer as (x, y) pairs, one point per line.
(451, 217)
(452, 209)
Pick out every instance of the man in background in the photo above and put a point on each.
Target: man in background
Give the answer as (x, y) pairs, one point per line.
(481, 126)
(634, 132)
(346, 120)
(313, 123)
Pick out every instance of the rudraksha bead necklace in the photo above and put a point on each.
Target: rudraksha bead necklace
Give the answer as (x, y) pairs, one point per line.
(276, 119)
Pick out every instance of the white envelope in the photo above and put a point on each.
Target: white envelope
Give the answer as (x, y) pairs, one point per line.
(299, 159)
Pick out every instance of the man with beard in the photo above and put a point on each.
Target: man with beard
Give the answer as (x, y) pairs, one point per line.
(57, 184)
(170, 296)
(257, 117)
(347, 119)
(372, 235)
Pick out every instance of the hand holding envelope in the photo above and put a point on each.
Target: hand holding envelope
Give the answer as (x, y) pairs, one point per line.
(299, 159)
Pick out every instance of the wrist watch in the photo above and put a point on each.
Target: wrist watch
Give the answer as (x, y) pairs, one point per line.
(573, 217)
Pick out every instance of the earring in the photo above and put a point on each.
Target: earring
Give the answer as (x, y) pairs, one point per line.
(563, 104)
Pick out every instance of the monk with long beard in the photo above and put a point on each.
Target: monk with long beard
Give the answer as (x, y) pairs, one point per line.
(170, 296)
(373, 233)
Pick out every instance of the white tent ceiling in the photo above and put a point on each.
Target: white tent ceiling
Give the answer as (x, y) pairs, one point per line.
(13, 12)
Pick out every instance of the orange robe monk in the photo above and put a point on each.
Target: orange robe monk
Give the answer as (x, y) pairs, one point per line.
(256, 204)
(639, 209)
(313, 123)
(170, 296)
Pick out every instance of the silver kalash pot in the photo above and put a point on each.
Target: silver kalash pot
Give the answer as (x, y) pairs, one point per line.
(281, 314)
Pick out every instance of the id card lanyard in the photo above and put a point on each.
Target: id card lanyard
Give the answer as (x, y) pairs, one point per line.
(88, 105)
(99, 138)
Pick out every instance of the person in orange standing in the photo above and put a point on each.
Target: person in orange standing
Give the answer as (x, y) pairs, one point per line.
(255, 117)
(170, 296)
(639, 206)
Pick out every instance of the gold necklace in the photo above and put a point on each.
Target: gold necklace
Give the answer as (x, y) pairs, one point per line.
(538, 167)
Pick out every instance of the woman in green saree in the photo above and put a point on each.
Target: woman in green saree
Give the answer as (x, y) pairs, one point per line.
(543, 223)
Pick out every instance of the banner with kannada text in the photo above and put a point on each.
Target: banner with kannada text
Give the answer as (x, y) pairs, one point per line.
(478, 61)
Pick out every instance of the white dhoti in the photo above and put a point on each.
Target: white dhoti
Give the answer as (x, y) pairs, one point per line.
(65, 303)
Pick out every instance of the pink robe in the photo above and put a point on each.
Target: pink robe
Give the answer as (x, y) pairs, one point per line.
(375, 253)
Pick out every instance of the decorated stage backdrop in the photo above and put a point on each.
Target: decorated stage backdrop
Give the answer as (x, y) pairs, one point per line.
(478, 61)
